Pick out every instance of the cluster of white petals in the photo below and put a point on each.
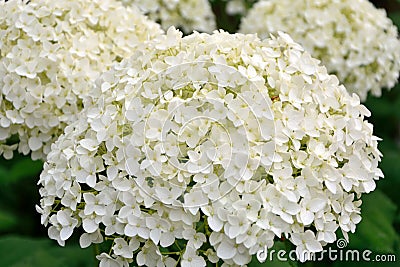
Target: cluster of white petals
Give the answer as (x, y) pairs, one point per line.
(51, 52)
(207, 148)
(188, 15)
(352, 38)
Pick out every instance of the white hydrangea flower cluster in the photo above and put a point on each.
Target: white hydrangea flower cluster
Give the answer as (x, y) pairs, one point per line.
(352, 38)
(188, 15)
(206, 148)
(51, 52)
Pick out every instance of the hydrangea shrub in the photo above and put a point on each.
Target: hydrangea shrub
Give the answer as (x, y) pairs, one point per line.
(51, 52)
(352, 38)
(206, 148)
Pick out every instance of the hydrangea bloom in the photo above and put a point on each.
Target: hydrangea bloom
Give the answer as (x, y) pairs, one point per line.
(206, 148)
(188, 15)
(352, 38)
(50, 54)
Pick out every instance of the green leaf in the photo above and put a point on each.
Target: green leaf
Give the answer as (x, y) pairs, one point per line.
(27, 252)
(395, 16)
(376, 232)
(25, 168)
(20, 168)
(381, 107)
(391, 169)
(7, 220)
(390, 160)
(397, 101)
(3, 172)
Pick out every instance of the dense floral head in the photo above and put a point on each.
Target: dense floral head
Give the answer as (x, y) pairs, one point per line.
(50, 54)
(352, 38)
(207, 148)
(188, 15)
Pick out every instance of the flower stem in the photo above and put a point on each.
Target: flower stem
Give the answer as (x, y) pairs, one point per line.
(96, 251)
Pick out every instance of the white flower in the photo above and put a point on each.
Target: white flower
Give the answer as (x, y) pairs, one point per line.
(67, 223)
(272, 222)
(188, 15)
(51, 54)
(326, 229)
(90, 222)
(190, 259)
(285, 209)
(237, 224)
(108, 261)
(238, 7)
(124, 249)
(112, 225)
(157, 226)
(306, 244)
(136, 227)
(194, 200)
(87, 239)
(226, 249)
(211, 255)
(195, 239)
(149, 255)
(234, 7)
(308, 209)
(266, 163)
(352, 38)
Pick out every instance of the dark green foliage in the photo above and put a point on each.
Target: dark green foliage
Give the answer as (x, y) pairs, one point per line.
(28, 252)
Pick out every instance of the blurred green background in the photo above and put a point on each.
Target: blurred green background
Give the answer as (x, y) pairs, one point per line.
(24, 241)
